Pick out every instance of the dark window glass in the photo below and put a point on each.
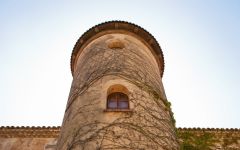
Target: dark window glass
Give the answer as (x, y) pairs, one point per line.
(122, 104)
(112, 104)
(117, 101)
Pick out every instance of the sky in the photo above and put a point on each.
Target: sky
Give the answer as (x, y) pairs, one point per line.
(200, 42)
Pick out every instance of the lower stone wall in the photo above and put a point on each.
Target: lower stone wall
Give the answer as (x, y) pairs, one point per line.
(27, 143)
(45, 138)
(28, 138)
(209, 139)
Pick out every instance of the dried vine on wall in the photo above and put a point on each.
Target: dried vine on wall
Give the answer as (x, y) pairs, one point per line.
(150, 125)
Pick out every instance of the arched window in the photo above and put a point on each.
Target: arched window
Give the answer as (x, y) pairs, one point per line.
(117, 100)
(117, 97)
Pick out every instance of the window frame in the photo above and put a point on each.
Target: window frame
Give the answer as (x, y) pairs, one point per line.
(117, 99)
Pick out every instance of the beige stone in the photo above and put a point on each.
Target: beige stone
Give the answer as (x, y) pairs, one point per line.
(117, 57)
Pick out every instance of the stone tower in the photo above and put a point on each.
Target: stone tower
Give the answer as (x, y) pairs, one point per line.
(117, 99)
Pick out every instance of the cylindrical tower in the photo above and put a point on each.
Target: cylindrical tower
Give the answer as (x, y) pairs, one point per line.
(117, 99)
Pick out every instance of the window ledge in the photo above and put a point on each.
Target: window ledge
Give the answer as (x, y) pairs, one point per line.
(117, 110)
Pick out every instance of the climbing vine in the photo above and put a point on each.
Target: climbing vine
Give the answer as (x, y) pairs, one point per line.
(150, 124)
(194, 141)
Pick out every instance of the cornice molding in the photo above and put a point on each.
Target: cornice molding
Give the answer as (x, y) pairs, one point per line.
(209, 129)
(29, 132)
(53, 132)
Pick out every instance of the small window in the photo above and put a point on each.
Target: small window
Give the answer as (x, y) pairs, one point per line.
(117, 100)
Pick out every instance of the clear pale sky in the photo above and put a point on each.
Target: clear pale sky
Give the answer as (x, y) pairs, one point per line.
(200, 41)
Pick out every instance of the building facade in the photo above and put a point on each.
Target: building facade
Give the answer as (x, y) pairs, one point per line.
(117, 101)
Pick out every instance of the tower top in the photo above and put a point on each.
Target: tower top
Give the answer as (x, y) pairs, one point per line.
(118, 27)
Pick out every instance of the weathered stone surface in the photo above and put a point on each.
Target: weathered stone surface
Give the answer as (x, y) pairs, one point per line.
(189, 138)
(209, 139)
(27, 143)
(117, 57)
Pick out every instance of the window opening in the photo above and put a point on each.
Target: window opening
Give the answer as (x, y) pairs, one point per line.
(117, 100)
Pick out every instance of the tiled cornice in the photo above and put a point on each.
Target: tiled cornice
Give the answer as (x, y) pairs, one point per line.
(53, 132)
(29, 132)
(209, 129)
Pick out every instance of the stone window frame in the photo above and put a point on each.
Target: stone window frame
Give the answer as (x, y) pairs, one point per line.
(118, 97)
(117, 89)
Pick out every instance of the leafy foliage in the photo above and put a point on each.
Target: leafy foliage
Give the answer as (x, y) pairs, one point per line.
(194, 141)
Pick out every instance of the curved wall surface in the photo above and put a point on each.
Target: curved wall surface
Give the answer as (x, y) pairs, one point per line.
(123, 58)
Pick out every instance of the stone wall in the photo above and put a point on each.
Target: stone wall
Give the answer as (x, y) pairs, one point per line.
(27, 143)
(209, 139)
(28, 138)
(40, 138)
(117, 58)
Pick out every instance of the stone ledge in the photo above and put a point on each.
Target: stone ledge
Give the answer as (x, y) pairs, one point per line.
(29, 132)
(53, 132)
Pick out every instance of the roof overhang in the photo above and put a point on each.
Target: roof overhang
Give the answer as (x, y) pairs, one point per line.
(118, 27)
